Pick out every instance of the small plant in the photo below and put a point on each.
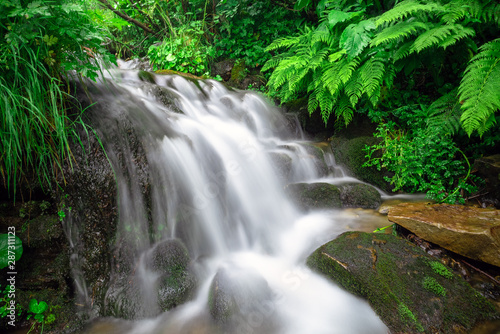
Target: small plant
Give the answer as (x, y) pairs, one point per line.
(433, 286)
(186, 51)
(422, 162)
(37, 310)
(441, 269)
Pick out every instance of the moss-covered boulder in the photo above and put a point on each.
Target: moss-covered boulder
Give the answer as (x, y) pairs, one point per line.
(359, 195)
(350, 155)
(409, 290)
(319, 195)
(170, 260)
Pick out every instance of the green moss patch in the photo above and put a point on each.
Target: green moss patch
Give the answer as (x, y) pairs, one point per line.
(408, 292)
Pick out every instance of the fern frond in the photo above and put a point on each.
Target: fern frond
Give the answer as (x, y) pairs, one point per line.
(479, 88)
(443, 115)
(323, 36)
(403, 51)
(372, 74)
(331, 76)
(398, 32)
(354, 89)
(344, 110)
(405, 9)
(459, 33)
(283, 43)
(390, 74)
(432, 37)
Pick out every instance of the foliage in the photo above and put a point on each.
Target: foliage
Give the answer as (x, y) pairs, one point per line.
(246, 27)
(478, 90)
(187, 52)
(11, 249)
(38, 311)
(358, 50)
(42, 40)
(422, 162)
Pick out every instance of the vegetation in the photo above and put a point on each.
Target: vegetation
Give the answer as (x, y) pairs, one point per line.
(42, 41)
(425, 71)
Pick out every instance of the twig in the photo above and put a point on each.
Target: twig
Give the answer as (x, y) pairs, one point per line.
(482, 272)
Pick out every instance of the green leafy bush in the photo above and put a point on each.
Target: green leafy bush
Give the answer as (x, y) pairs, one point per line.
(360, 48)
(422, 161)
(247, 27)
(188, 51)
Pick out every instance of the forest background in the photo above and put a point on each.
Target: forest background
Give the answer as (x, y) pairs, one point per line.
(426, 73)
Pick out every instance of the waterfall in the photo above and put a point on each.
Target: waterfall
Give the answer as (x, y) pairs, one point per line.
(216, 185)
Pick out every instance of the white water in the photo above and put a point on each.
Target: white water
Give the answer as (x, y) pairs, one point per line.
(214, 185)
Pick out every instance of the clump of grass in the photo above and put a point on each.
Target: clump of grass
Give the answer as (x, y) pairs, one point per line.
(34, 129)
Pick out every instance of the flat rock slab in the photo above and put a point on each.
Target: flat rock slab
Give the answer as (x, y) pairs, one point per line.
(407, 288)
(468, 231)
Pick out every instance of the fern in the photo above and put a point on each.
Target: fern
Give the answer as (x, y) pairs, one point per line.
(399, 31)
(448, 34)
(344, 110)
(479, 89)
(356, 37)
(405, 9)
(372, 74)
(443, 115)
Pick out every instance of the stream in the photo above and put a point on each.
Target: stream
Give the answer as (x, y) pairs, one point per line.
(217, 186)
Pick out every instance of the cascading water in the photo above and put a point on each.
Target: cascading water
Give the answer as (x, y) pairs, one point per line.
(215, 186)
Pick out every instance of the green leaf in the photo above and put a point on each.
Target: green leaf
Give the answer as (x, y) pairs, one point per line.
(37, 307)
(9, 251)
(338, 16)
(356, 37)
(301, 4)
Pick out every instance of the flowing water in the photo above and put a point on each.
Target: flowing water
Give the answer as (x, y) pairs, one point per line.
(216, 185)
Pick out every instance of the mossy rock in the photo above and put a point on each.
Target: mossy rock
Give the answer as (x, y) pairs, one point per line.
(236, 294)
(146, 76)
(405, 287)
(319, 195)
(359, 195)
(318, 157)
(350, 154)
(170, 259)
(182, 74)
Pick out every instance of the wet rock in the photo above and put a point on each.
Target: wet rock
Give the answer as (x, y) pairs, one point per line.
(409, 290)
(170, 259)
(350, 154)
(468, 231)
(223, 68)
(359, 195)
(238, 295)
(282, 163)
(489, 169)
(146, 76)
(318, 157)
(309, 196)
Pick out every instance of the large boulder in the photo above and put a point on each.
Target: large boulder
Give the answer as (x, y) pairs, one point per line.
(468, 231)
(359, 195)
(350, 154)
(319, 195)
(409, 290)
(170, 260)
(239, 298)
